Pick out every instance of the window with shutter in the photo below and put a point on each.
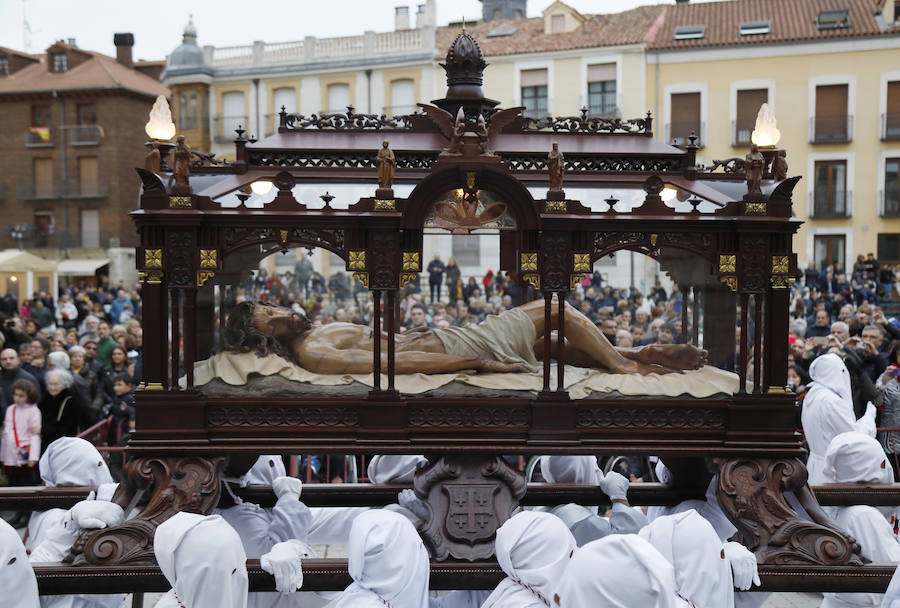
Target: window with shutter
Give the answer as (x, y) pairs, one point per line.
(534, 93)
(88, 176)
(748, 103)
(685, 112)
(829, 249)
(891, 120)
(831, 122)
(602, 90)
(830, 193)
(43, 177)
(891, 205)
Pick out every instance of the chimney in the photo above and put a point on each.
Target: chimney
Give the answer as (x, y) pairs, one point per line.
(426, 14)
(401, 18)
(123, 43)
(71, 42)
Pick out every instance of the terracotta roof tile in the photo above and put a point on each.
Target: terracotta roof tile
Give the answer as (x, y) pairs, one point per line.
(790, 20)
(98, 72)
(629, 27)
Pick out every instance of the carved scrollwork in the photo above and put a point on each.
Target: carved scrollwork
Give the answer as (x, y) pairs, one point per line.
(250, 416)
(751, 493)
(358, 160)
(755, 263)
(589, 124)
(576, 163)
(468, 498)
(554, 264)
(205, 159)
(468, 417)
(733, 165)
(180, 254)
(176, 484)
(327, 238)
(651, 418)
(344, 121)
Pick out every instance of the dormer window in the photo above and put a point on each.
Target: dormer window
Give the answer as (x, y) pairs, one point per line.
(4, 65)
(59, 62)
(833, 20)
(558, 24)
(754, 28)
(690, 32)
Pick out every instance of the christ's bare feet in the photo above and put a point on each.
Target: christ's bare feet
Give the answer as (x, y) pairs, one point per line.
(674, 356)
(631, 366)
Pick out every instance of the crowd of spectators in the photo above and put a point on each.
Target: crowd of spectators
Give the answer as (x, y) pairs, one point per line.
(80, 354)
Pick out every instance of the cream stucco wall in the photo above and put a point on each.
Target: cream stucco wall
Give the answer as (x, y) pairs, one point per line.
(791, 74)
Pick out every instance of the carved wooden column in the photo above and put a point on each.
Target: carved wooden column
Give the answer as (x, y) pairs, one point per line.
(469, 498)
(751, 493)
(173, 484)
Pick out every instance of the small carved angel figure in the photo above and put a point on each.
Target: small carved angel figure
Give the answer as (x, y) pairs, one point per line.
(456, 129)
(182, 156)
(780, 166)
(754, 165)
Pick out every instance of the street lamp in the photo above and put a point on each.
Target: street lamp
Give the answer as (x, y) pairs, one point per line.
(19, 233)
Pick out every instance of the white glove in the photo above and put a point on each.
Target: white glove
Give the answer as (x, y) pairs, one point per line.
(409, 500)
(615, 485)
(284, 563)
(743, 565)
(92, 514)
(287, 486)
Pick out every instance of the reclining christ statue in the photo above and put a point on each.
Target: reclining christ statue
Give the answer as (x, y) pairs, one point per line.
(509, 342)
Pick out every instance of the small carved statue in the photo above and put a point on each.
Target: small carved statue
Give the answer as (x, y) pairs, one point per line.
(754, 165)
(182, 156)
(555, 165)
(386, 166)
(459, 129)
(780, 166)
(153, 160)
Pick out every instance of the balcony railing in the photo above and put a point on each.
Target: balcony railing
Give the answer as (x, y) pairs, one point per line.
(677, 133)
(85, 135)
(30, 238)
(824, 205)
(831, 129)
(890, 202)
(741, 130)
(225, 126)
(39, 136)
(58, 189)
(890, 126)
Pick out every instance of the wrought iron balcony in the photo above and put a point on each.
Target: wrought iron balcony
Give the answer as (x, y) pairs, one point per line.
(37, 137)
(677, 133)
(831, 129)
(890, 202)
(85, 135)
(59, 189)
(225, 126)
(890, 126)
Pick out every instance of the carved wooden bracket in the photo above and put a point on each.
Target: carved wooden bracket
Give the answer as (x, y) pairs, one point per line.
(469, 498)
(176, 484)
(751, 493)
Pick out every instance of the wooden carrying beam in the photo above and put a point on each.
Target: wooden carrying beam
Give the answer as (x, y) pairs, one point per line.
(39, 498)
(331, 575)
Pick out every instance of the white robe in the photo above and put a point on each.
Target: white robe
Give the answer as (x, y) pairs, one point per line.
(16, 576)
(619, 571)
(69, 461)
(533, 549)
(858, 458)
(184, 545)
(691, 545)
(828, 411)
(387, 562)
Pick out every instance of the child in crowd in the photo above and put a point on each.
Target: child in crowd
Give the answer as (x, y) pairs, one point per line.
(121, 408)
(20, 444)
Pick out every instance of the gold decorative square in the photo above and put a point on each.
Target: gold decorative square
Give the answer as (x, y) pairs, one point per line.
(208, 258)
(180, 202)
(557, 206)
(357, 260)
(780, 264)
(407, 278)
(731, 281)
(203, 276)
(470, 180)
(411, 260)
(653, 238)
(529, 261)
(755, 209)
(284, 235)
(582, 262)
(362, 277)
(152, 258)
(534, 279)
(575, 280)
(780, 390)
(385, 204)
(780, 282)
(727, 263)
(150, 386)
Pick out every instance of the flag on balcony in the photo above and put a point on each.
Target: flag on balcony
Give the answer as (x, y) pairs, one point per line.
(43, 133)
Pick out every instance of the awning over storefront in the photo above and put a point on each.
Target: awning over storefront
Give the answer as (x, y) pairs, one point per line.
(80, 268)
(14, 260)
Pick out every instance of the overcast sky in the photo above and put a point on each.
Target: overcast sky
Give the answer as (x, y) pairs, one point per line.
(157, 25)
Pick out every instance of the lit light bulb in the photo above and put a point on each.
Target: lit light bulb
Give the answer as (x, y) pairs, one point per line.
(160, 125)
(261, 188)
(765, 134)
(667, 194)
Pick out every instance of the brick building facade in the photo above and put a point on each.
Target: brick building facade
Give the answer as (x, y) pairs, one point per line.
(72, 133)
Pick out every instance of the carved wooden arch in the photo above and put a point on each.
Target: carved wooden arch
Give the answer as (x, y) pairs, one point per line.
(701, 244)
(283, 239)
(492, 177)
